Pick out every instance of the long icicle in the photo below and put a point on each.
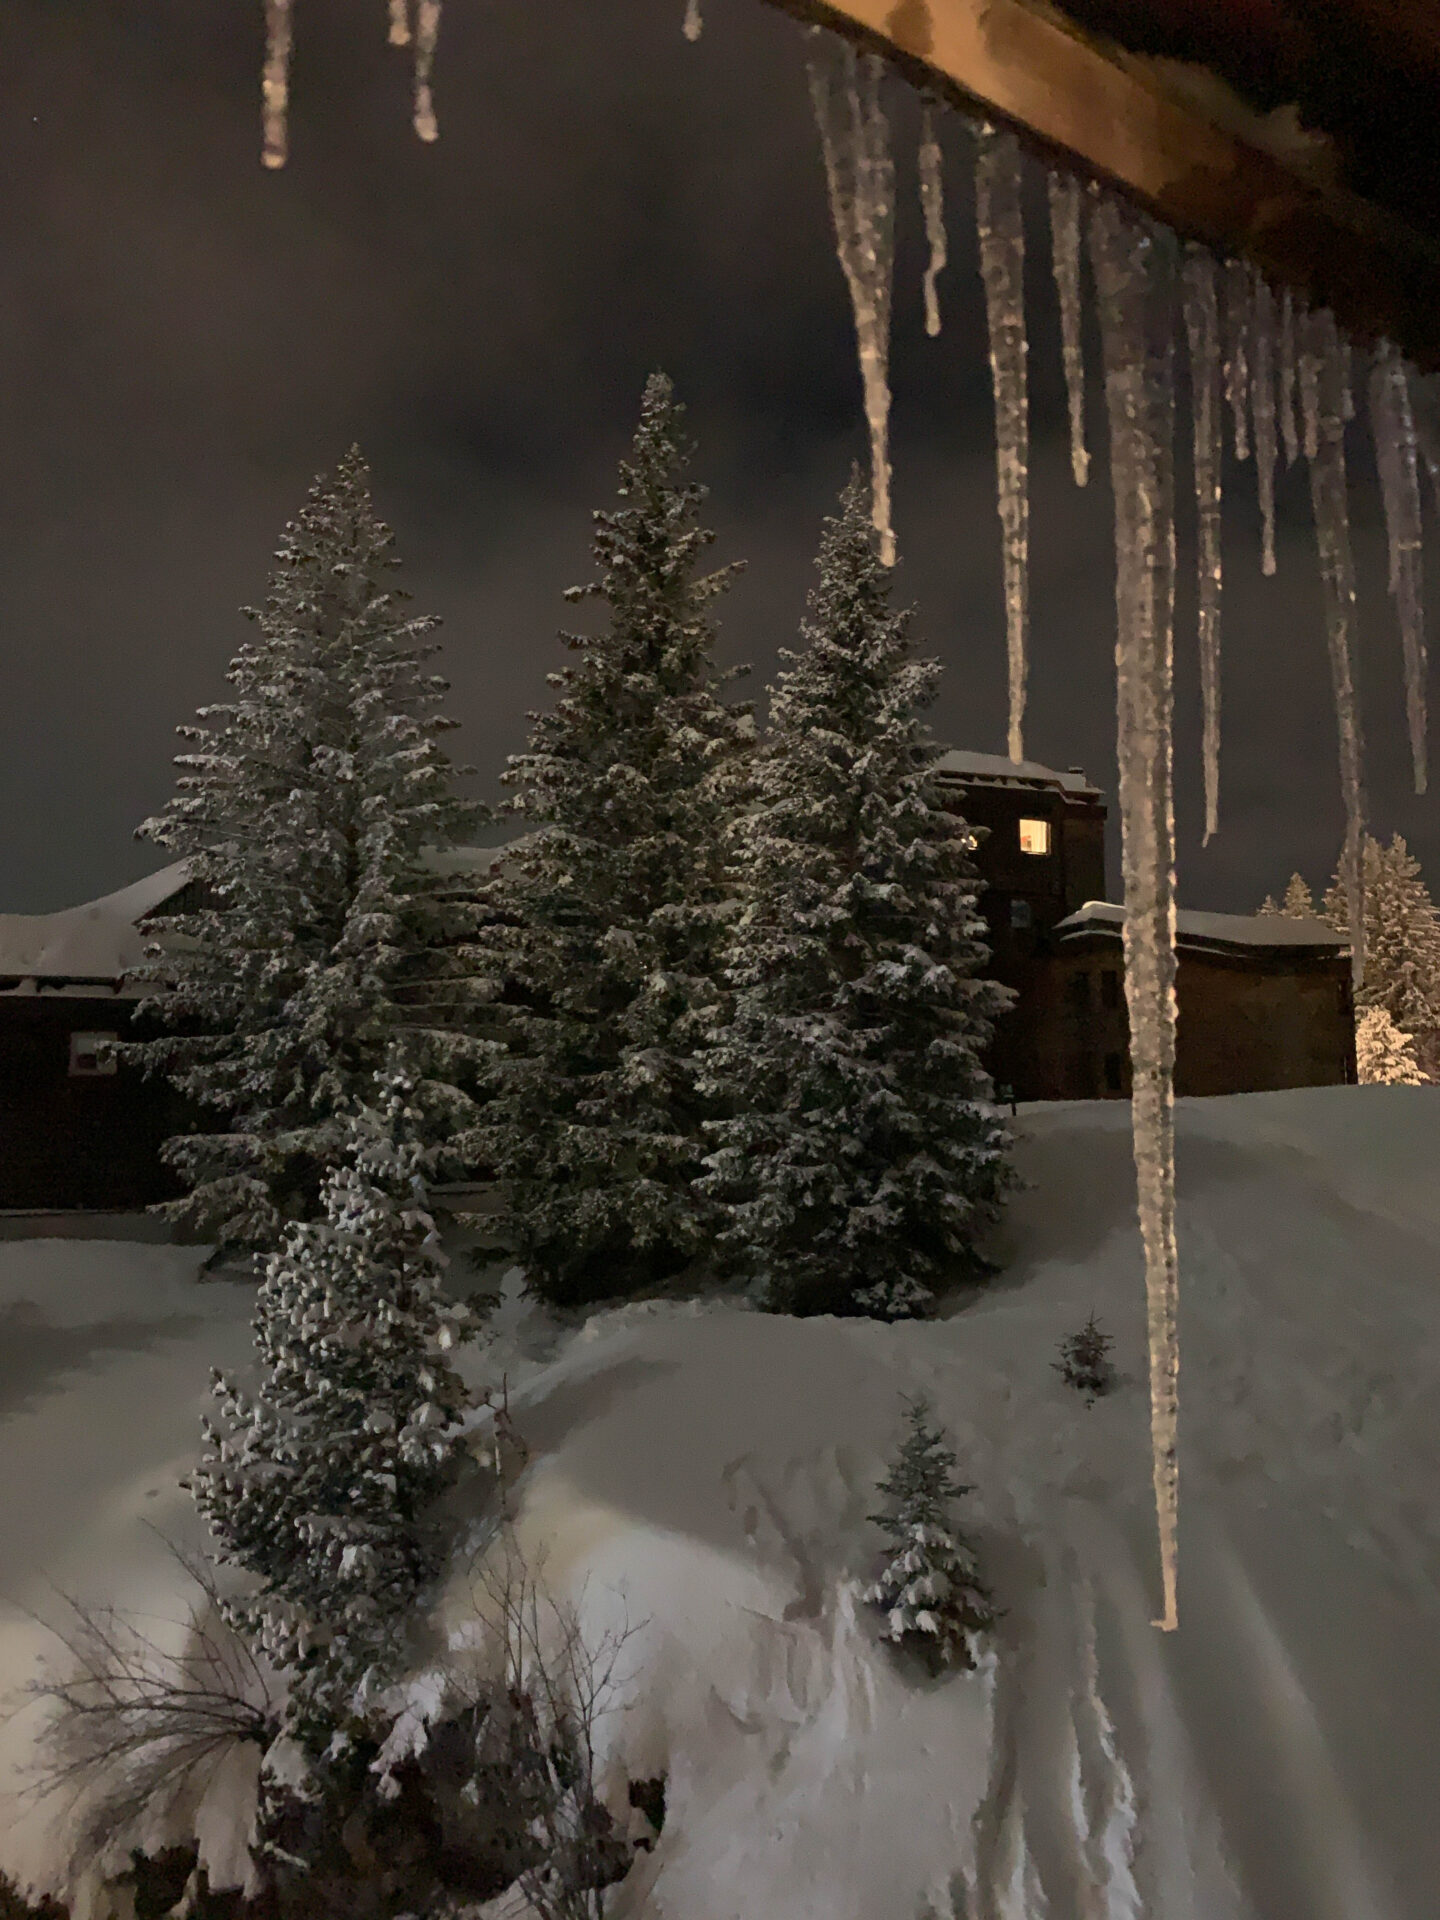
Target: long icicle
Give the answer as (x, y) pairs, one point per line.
(1392, 424)
(1000, 219)
(1425, 403)
(1134, 283)
(1322, 386)
(427, 34)
(693, 23)
(1202, 327)
(932, 205)
(1237, 351)
(860, 175)
(275, 84)
(399, 23)
(1065, 263)
(1262, 409)
(1287, 378)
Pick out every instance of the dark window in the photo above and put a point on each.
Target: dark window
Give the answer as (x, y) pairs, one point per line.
(88, 1056)
(1114, 1074)
(1110, 988)
(1079, 989)
(1021, 914)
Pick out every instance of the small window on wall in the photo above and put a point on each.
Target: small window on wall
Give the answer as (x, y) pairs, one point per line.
(85, 1059)
(1078, 987)
(1035, 836)
(1110, 988)
(1114, 1074)
(1021, 914)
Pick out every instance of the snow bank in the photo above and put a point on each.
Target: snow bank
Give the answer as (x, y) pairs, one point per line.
(704, 1476)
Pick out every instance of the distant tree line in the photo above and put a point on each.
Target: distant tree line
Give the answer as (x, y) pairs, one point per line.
(1397, 1013)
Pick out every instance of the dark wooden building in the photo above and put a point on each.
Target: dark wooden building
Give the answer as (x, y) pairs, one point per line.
(1042, 854)
(1264, 1002)
(78, 1131)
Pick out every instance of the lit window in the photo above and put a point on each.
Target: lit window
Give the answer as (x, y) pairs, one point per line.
(1035, 836)
(85, 1053)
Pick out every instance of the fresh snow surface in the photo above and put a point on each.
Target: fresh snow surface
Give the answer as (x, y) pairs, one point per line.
(1232, 929)
(704, 1475)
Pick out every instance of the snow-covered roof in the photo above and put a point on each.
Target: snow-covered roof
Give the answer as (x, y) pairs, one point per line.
(97, 941)
(995, 769)
(1221, 929)
(101, 940)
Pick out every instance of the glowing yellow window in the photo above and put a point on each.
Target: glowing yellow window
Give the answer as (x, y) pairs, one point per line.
(1035, 836)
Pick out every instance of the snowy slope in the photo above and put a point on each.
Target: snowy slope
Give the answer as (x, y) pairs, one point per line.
(705, 1476)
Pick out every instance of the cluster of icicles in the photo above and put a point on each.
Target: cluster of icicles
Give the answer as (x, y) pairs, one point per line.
(423, 33)
(1283, 372)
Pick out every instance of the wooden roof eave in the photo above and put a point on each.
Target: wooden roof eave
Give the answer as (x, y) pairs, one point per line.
(1087, 104)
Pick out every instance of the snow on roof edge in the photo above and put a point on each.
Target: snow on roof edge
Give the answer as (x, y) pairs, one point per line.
(995, 767)
(1220, 929)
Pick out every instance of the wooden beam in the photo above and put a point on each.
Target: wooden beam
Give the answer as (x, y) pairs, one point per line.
(1109, 115)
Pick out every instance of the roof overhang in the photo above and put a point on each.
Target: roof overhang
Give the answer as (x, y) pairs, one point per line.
(1206, 146)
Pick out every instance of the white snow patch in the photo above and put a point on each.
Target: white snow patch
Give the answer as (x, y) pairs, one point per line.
(703, 1479)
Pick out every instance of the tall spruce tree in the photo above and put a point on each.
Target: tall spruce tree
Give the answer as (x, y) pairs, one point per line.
(1298, 902)
(1402, 945)
(317, 1484)
(857, 1158)
(315, 931)
(605, 927)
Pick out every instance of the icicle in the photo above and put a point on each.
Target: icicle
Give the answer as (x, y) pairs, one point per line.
(1309, 383)
(399, 23)
(855, 138)
(1065, 259)
(932, 202)
(1425, 400)
(275, 85)
(1262, 406)
(693, 22)
(1392, 424)
(1000, 218)
(1134, 283)
(1287, 378)
(1237, 351)
(1202, 327)
(427, 33)
(1347, 390)
(1322, 386)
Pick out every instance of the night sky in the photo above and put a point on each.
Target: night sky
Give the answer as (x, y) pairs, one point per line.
(187, 339)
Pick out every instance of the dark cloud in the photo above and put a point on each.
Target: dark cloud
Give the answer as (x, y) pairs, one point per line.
(186, 339)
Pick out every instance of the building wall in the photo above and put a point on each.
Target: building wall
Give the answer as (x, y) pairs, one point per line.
(77, 1140)
(1247, 1023)
(1026, 895)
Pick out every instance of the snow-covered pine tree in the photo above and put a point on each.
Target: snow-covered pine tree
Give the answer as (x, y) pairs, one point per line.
(1085, 1362)
(933, 1597)
(858, 1157)
(316, 930)
(1297, 904)
(1402, 945)
(605, 929)
(1384, 1055)
(317, 1483)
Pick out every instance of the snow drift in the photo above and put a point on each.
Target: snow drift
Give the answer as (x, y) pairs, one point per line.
(703, 1475)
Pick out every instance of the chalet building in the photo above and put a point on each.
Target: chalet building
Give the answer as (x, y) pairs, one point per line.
(1264, 1002)
(77, 1131)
